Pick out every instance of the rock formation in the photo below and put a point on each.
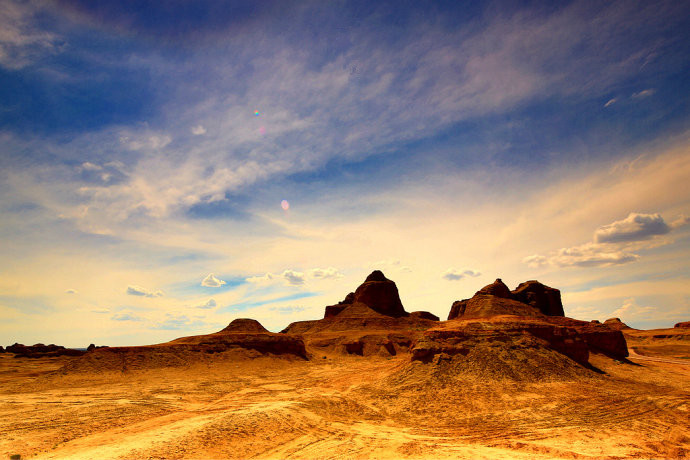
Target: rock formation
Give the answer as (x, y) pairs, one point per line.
(424, 315)
(531, 298)
(616, 324)
(380, 294)
(40, 350)
(369, 321)
(544, 298)
(241, 339)
(684, 324)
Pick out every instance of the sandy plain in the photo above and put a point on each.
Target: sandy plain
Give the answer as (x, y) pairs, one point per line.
(347, 407)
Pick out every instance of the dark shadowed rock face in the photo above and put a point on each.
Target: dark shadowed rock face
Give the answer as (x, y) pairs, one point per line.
(497, 288)
(684, 324)
(40, 350)
(244, 325)
(381, 295)
(333, 310)
(544, 298)
(457, 309)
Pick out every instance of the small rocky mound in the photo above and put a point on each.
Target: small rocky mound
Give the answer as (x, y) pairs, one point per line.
(40, 350)
(616, 324)
(244, 325)
(424, 315)
(684, 324)
(531, 298)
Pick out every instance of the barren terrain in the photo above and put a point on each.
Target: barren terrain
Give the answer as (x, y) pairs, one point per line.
(344, 407)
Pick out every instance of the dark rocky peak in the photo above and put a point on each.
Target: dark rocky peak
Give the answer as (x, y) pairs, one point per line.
(376, 275)
(497, 288)
(381, 295)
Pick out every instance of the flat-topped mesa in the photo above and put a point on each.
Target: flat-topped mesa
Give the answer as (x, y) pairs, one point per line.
(531, 298)
(684, 324)
(244, 325)
(544, 298)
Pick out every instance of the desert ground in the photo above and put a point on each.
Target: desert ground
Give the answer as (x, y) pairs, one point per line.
(346, 407)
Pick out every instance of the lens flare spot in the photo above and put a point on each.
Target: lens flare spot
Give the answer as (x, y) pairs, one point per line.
(256, 113)
(285, 205)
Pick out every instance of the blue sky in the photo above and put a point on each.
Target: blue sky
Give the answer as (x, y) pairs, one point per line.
(146, 148)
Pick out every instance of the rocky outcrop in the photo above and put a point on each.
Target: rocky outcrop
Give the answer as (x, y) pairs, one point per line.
(424, 315)
(241, 339)
(544, 298)
(497, 289)
(40, 350)
(381, 295)
(244, 325)
(247, 334)
(600, 338)
(333, 310)
(616, 324)
(504, 347)
(531, 298)
(684, 324)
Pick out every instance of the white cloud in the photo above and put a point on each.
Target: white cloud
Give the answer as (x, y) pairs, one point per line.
(293, 278)
(635, 227)
(536, 261)
(212, 281)
(591, 255)
(296, 278)
(143, 292)
(610, 102)
(210, 304)
(198, 130)
(126, 315)
(612, 244)
(454, 274)
(325, 273)
(263, 279)
(21, 42)
(631, 311)
(288, 310)
(644, 93)
(681, 221)
(71, 291)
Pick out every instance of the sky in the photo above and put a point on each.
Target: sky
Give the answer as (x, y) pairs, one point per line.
(167, 167)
